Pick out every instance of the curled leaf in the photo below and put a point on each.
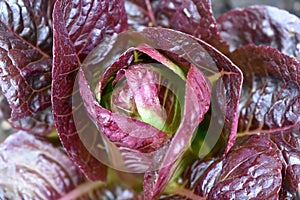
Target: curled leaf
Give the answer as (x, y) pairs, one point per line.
(197, 99)
(211, 62)
(122, 130)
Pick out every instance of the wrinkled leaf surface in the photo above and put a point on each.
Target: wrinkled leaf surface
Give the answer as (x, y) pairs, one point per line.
(252, 169)
(261, 25)
(32, 168)
(26, 61)
(270, 98)
(78, 27)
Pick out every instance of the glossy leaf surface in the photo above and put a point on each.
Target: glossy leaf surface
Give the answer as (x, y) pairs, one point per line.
(270, 95)
(261, 25)
(288, 142)
(196, 104)
(78, 27)
(139, 14)
(252, 169)
(134, 116)
(40, 170)
(179, 47)
(26, 61)
(192, 16)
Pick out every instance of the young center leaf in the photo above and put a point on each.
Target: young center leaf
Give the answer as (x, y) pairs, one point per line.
(227, 72)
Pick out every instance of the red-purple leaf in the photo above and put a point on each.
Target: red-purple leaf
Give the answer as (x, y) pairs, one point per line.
(270, 98)
(186, 47)
(31, 21)
(288, 142)
(261, 25)
(26, 60)
(197, 100)
(98, 190)
(192, 16)
(270, 104)
(143, 82)
(40, 124)
(178, 53)
(214, 65)
(252, 169)
(122, 130)
(31, 168)
(139, 14)
(232, 80)
(78, 28)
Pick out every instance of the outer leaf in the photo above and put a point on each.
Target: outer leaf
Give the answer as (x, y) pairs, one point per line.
(288, 142)
(31, 168)
(270, 99)
(41, 123)
(98, 190)
(139, 14)
(191, 16)
(78, 28)
(31, 21)
(261, 25)
(269, 104)
(5, 110)
(232, 78)
(251, 170)
(25, 59)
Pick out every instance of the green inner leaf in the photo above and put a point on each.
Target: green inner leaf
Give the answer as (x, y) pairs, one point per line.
(151, 93)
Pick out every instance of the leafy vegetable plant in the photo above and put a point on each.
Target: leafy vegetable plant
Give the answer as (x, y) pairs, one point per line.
(149, 99)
